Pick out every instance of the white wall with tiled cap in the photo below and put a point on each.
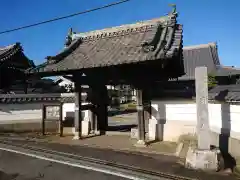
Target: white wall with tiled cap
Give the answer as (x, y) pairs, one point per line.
(70, 107)
(20, 112)
(182, 117)
(10, 113)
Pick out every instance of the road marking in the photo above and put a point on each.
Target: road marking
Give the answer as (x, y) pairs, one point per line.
(119, 174)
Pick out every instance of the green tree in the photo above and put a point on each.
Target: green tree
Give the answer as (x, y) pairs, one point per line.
(212, 82)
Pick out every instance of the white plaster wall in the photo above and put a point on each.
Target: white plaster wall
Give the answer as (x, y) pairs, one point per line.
(181, 118)
(10, 113)
(70, 107)
(20, 112)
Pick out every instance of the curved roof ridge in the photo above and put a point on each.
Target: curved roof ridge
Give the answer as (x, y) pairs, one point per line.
(121, 27)
(9, 51)
(200, 46)
(7, 47)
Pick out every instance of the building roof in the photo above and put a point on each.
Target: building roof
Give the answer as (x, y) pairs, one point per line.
(8, 51)
(154, 39)
(229, 93)
(35, 98)
(199, 55)
(204, 55)
(227, 71)
(14, 56)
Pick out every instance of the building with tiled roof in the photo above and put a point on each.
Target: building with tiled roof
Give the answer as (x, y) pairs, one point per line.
(199, 55)
(156, 41)
(194, 56)
(13, 64)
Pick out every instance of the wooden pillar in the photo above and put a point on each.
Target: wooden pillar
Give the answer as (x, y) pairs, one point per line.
(99, 97)
(92, 122)
(140, 114)
(92, 97)
(43, 119)
(92, 118)
(25, 84)
(146, 105)
(61, 120)
(102, 109)
(78, 107)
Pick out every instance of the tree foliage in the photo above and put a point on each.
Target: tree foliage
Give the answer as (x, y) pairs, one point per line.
(212, 82)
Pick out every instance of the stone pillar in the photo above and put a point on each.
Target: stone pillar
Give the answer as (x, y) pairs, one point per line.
(140, 114)
(201, 85)
(78, 112)
(202, 157)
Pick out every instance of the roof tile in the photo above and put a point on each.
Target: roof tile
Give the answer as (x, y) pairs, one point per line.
(148, 40)
(36, 98)
(199, 55)
(225, 93)
(9, 51)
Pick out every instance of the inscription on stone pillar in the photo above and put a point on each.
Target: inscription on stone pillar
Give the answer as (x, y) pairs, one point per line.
(201, 84)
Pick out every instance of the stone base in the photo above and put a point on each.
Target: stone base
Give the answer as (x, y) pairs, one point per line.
(85, 127)
(134, 133)
(152, 129)
(76, 136)
(202, 159)
(141, 143)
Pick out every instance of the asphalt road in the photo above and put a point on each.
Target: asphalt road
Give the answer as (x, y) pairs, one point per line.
(21, 167)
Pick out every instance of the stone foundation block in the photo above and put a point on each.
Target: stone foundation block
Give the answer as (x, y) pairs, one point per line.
(134, 133)
(152, 129)
(202, 159)
(85, 127)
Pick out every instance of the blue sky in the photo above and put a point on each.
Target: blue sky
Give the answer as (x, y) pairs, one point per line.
(204, 21)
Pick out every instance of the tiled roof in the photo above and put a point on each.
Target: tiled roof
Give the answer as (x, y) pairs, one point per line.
(230, 93)
(155, 39)
(8, 51)
(199, 55)
(227, 71)
(15, 57)
(28, 98)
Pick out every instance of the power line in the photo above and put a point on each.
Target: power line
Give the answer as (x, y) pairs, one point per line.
(64, 17)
